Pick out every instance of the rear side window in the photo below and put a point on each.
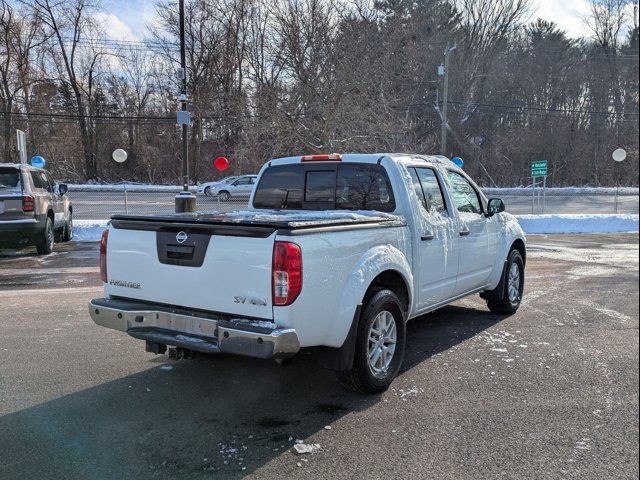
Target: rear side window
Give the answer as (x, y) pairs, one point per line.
(9, 177)
(332, 187)
(41, 180)
(431, 188)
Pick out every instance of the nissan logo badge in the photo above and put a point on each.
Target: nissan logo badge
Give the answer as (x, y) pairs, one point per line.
(181, 237)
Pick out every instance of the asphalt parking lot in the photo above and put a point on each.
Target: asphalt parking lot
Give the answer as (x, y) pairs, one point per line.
(551, 392)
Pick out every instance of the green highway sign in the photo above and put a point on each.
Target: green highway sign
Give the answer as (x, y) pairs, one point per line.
(539, 168)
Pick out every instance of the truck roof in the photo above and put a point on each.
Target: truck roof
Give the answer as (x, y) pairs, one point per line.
(19, 165)
(375, 158)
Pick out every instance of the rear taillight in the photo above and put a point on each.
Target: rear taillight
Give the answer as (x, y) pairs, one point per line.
(103, 256)
(28, 204)
(287, 273)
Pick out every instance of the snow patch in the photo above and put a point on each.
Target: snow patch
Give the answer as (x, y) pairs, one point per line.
(303, 448)
(593, 223)
(88, 230)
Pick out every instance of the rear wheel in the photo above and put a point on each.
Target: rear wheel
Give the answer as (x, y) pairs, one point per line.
(379, 345)
(45, 245)
(224, 196)
(513, 287)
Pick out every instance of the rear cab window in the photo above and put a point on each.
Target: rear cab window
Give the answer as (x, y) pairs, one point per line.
(344, 186)
(9, 178)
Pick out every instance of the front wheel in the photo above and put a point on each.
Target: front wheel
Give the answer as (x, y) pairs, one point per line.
(207, 192)
(379, 347)
(224, 196)
(513, 287)
(45, 245)
(67, 234)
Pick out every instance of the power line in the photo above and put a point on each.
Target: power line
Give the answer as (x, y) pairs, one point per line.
(521, 108)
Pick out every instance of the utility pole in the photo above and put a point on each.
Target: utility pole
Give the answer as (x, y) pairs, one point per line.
(445, 100)
(185, 201)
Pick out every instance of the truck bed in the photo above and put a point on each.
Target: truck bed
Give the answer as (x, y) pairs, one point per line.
(257, 222)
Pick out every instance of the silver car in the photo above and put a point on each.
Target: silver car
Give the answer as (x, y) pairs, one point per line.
(240, 187)
(33, 208)
(206, 188)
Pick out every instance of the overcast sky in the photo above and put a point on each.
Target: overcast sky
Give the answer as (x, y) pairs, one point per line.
(127, 19)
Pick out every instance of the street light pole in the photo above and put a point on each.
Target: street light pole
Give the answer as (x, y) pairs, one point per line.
(445, 100)
(183, 98)
(185, 201)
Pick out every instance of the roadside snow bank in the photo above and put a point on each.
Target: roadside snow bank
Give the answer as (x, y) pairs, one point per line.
(91, 230)
(88, 230)
(131, 187)
(578, 223)
(561, 191)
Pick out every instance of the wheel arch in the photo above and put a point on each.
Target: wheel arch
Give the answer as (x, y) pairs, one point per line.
(394, 281)
(518, 244)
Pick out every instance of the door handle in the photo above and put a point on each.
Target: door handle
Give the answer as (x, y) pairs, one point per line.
(428, 235)
(464, 231)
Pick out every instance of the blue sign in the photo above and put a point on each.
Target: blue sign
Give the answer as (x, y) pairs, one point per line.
(458, 162)
(38, 161)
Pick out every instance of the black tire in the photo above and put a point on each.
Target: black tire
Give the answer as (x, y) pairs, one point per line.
(503, 303)
(67, 234)
(223, 196)
(207, 191)
(361, 377)
(45, 245)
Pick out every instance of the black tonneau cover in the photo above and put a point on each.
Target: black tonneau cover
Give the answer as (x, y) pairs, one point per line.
(260, 223)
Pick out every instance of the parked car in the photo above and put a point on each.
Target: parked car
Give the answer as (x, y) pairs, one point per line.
(205, 188)
(337, 253)
(33, 208)
(238, 187)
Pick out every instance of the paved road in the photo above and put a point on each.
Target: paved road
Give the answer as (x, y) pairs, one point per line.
(551, 392)
(101, 205)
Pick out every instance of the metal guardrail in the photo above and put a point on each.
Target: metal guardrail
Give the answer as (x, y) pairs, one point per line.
(99, 202)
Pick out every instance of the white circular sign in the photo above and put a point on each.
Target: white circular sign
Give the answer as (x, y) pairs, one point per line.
(119, 155)
(619, 154)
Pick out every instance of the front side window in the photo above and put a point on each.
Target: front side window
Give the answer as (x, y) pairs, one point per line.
(52, 184)
(464, 195)
(242, 181)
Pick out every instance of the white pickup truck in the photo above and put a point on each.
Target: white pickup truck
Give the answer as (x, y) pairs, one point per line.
(336, 253)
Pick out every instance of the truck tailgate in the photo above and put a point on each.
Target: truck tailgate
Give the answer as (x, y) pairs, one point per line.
(191, 267)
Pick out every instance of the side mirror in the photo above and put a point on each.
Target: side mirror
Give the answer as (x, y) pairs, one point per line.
(495, 205)
(62, 188)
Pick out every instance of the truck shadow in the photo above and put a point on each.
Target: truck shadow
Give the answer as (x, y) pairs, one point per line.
(220, 417)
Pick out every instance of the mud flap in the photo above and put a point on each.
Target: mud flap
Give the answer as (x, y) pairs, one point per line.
(341, 358)
(497, 294)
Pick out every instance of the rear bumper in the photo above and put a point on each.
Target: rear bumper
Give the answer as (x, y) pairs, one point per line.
(202, 332)
(12, 230)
